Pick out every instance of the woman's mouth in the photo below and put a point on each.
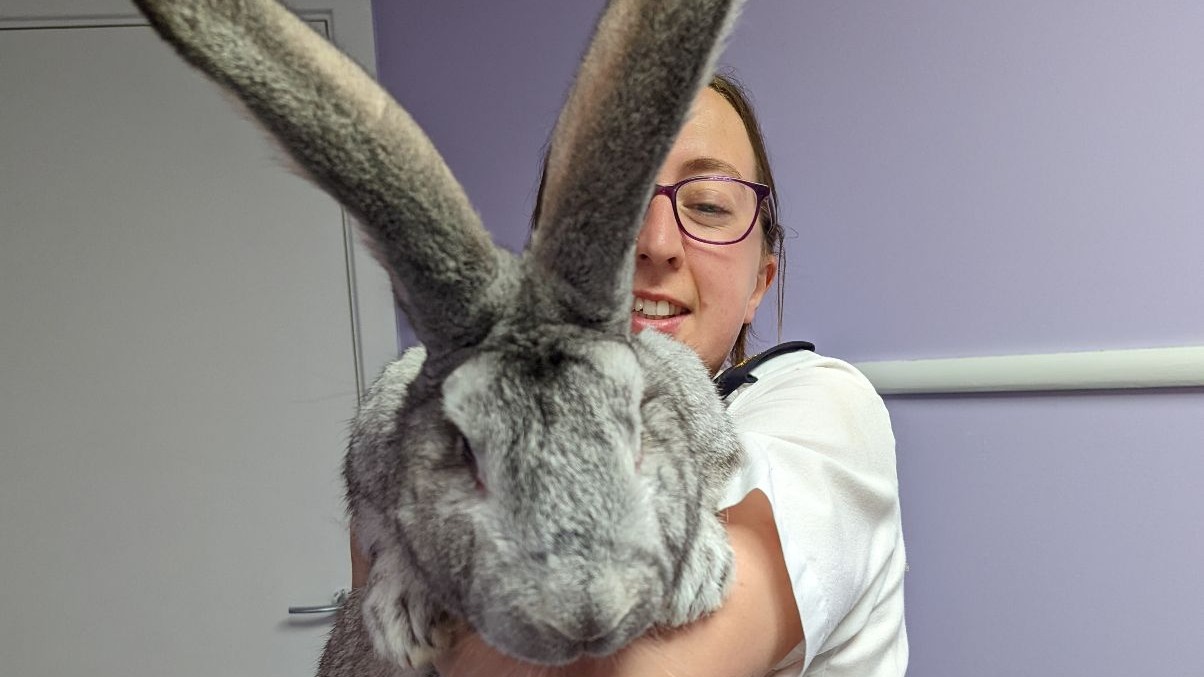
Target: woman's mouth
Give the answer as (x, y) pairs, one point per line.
(659, 314)
(654, 310)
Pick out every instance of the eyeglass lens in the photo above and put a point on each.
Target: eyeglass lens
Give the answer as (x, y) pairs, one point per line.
(718, 211)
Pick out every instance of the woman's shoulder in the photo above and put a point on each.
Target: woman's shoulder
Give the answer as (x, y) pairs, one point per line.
(806, 407)
(819, 445)
(802, 367)
(804, 380)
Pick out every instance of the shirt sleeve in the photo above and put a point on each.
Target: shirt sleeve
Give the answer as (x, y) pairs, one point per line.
(819, 445)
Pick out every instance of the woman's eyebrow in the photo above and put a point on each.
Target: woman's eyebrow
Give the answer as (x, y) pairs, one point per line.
(709, 165)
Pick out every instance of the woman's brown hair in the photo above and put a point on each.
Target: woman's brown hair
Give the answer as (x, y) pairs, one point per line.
(774, 240)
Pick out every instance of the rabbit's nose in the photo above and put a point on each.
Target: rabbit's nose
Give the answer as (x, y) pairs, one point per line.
(588, 630)
(587, 622)
(593, 629)
(605, 639)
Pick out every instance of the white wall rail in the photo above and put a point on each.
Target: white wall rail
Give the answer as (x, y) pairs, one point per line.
(1175, 367)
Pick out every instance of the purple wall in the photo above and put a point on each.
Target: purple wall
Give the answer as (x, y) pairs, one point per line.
(966, 178)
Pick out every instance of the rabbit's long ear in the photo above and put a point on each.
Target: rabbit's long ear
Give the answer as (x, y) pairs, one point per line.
(648, 61)
(357, 143)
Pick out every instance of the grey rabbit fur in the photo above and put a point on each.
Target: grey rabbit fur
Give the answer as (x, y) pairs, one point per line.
(535, 470)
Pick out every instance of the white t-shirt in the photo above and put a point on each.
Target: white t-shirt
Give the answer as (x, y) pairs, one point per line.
(820, 447)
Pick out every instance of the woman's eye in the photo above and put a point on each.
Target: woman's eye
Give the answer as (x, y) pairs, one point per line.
(710, 208)
(709, 215)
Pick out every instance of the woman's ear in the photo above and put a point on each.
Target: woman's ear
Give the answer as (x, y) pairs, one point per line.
(765, 276)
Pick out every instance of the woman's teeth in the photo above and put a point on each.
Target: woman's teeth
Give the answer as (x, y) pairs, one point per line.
(650, 308)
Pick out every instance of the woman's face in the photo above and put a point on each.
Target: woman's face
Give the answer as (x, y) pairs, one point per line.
(714, 289)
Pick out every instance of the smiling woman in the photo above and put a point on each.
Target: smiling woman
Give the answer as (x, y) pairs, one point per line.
(715, 288)
(721, 143)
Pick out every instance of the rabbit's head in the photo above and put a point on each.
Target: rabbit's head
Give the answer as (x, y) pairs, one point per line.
(523, 500)
(505, 465)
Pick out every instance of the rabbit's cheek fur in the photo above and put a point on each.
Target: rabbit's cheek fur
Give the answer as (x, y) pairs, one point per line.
(683, 422)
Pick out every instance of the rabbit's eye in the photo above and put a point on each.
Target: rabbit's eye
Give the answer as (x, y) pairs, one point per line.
(470, 461)
(469, 458)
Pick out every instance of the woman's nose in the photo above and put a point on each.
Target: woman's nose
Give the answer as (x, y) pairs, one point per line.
(659, 241)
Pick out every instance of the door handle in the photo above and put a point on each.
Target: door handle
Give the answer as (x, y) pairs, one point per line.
(336, 603)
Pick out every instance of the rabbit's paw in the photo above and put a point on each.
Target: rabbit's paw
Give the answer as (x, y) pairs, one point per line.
(406, 626)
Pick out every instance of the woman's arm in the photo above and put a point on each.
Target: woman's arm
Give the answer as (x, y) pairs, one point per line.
(756, 627)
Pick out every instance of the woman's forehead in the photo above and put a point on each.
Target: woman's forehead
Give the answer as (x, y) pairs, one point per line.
(712, 141)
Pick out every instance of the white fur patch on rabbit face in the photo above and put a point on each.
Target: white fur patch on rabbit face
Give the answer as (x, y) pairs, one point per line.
(405, 627)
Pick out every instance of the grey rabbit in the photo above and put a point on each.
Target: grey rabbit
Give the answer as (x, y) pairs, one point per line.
(535, 471)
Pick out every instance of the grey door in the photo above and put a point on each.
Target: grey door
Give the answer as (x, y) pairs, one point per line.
(183, 329)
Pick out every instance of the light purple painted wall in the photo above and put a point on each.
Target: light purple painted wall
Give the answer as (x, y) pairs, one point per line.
(965, 178)
(988, 177)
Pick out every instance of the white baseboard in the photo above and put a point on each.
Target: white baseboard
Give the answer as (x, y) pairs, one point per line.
(1091, 370)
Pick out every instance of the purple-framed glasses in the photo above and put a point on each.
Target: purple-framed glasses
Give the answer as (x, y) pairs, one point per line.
(715, 209)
